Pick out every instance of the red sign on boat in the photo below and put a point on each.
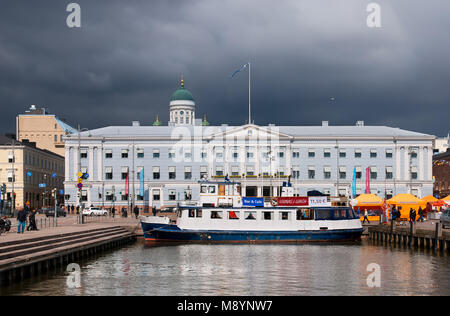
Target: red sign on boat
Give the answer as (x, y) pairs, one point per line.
(292, 201)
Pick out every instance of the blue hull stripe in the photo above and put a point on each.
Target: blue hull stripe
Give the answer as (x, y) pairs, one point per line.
(163, 232)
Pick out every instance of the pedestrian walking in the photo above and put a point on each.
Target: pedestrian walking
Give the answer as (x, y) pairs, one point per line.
(412, 215)
(136, 211)
(32, 221)
(365, 217)
(154, 210)
(72, 209)
(420, 213)
(22, 221)
(124, 212)
(113, 212)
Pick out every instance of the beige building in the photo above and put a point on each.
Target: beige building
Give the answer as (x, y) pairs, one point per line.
(43, 128)
(23, 167)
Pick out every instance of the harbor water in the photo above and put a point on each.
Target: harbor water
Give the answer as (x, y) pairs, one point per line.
(200, 269)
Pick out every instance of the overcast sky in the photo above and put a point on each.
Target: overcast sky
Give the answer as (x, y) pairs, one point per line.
(125, 61)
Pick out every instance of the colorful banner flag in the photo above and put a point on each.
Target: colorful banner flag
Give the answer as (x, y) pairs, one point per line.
(354, 183)
(141, 182)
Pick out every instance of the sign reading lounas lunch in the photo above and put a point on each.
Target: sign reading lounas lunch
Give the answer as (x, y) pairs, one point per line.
(315, 201)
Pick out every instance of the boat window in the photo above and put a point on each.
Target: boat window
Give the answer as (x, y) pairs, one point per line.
(216, 214)
(198, 212)
(250, 215)
(304, 214)
(212, 189)
(204, 189)
(340, 214)
(191, 213)
(323, 214)
(351, 214)
(285, 216)
(233, 215)
(267, 215)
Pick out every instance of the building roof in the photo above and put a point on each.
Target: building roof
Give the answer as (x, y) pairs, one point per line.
(445, 155)
(66, 127)
(181, 94)
(294, 131)
(7, 141)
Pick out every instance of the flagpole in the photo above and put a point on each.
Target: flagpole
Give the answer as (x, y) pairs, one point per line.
(249, 107)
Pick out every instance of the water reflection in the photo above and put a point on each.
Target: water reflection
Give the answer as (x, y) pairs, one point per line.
(251, 270)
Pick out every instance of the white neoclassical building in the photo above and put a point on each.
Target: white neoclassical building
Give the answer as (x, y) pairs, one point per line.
(165, 163)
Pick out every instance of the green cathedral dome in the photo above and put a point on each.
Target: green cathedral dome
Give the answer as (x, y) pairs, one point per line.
(182, 94)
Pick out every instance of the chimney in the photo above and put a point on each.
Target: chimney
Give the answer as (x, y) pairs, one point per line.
(324, 123)
(359, 123)
(135, 123)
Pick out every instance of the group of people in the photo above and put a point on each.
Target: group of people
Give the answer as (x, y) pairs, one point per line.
(124, 212)
(22, 216)
(396, 214)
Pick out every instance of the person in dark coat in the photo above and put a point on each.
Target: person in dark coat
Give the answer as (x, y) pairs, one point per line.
(154, 211)
(420, 212)
(412, 215)
(32, 220)
(22, 221)
(136, 211)
(113, 212)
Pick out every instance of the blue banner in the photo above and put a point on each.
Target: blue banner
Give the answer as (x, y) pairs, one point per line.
(252, 201)
(354, 183)
(141, 183)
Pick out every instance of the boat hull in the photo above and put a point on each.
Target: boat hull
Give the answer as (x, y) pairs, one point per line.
(172, 233)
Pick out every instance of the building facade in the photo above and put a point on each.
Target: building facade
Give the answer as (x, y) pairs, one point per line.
(23, 167)
(42, 128)
(441, 174)
(165, 163)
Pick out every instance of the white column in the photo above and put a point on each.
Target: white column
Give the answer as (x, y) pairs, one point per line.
(67, 164)
(100, 163)
(421, 162)
(91, 163)
(398, 170)
(406, 166)
(75, 161)
(288, 167)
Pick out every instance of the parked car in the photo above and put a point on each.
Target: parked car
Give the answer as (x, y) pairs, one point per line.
(445, 218)
(95, 211)
(50, 212)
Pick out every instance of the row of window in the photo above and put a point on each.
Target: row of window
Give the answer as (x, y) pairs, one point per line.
(32, 160)
(235, 155)
(343, 174)
(302, 214)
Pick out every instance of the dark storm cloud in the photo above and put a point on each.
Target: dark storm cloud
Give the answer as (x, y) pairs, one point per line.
(125, 61)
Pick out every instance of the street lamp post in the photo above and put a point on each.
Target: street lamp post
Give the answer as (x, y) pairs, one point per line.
(79, 170)
(13, 198)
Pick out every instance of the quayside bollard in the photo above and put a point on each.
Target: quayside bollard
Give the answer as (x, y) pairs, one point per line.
(411, 227)
(392, 230)
(437, 234)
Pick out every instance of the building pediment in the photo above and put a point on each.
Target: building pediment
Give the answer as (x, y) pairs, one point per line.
(250, 131)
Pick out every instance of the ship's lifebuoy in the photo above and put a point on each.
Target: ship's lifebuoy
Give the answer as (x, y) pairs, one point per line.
(274, 201)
